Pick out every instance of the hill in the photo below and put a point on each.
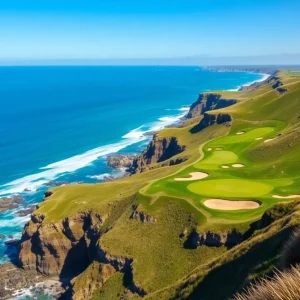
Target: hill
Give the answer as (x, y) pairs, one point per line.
(206, 211)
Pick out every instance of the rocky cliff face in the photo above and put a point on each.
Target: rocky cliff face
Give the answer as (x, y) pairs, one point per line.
(211, 119)
(212, 239)
(91, 280)
(208, 102)
(120, 161)
(158, 150)
(63, 248)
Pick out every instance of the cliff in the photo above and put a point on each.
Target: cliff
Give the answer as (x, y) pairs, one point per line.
(211, 119)
(158, 150)
(59, 249)
(206, 102)
(213, 239)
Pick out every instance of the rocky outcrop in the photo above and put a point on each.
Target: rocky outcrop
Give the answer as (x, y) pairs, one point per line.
(63, 248)
(211, 119)
(122, 264)
(92, 279)
(281, 90)
(158, 150)
(26, 211)
(120, 161)
(213, 239)
(142, 216)
(12, 202)
(207, 102)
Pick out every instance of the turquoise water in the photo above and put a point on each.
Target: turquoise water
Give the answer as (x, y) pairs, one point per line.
(60, 123)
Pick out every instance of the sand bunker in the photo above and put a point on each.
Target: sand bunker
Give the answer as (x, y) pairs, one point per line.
(194, 176)
(219, 149)
(259, 138)
(225, 167)
(240, 132)
(286, 197)
(230, 204)
(209, 149)
(269, 140)
(237, 165)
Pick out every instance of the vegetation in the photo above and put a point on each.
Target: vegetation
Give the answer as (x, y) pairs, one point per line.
(254, 159)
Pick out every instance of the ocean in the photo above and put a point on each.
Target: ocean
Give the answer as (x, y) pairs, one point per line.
(59, 123)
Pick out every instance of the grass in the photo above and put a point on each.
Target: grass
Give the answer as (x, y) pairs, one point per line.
(216, 159)
(284, 285)
(230, 188)
(161, 264)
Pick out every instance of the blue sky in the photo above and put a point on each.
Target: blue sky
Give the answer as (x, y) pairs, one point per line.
(72, 29)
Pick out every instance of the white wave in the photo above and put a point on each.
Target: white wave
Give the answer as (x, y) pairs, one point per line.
(263, 78)
(99, 177)
(15, 222)
(134, 134)
(184, 108)
(52, 171)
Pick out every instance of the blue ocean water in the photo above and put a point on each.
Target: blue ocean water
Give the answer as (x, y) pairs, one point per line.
(60, 122)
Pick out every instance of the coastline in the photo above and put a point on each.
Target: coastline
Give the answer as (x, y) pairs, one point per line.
(136, 135)
(264, 78)
(44, 285)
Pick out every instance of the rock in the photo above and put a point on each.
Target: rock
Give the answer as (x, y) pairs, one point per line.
(207, 102)
(12, 242)
(84, 286)
(60, 248)
(10, 236)
(56, 183)
(211, 119)
(12, 202)
(142, 217)
(26, 211)
(213, 239)
(48, 194)
(120, 161)
(2, 236)
(158, 150)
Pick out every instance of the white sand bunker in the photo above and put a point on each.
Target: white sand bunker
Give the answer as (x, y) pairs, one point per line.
(230, 204)
(240, 132)
(225, 167)
(209, 149)
(286, 197)
(269, 140)
(259, 138)
(237, 165)
(219, 149)
(194, 176)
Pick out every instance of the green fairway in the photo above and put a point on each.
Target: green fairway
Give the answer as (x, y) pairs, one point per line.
(230, 188)
(247, 136)
(216, 159)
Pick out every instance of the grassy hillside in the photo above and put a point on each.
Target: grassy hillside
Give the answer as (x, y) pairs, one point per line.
(244, 169)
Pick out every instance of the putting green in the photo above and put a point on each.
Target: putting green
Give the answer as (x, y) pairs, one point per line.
(230, 188)
(216, 159)
(247, 136)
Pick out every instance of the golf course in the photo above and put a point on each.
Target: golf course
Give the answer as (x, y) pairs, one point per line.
(225, 194)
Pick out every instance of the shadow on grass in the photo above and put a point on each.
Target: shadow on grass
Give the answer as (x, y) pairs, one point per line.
(224, 281)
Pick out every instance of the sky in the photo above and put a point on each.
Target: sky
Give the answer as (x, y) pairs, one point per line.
(156, 29)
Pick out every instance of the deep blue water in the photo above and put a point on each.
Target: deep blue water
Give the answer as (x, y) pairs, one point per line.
(59, 123)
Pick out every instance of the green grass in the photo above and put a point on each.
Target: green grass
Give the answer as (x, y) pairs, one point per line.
(249, 135)
(160, 260)
(227, 188)
(216, 159)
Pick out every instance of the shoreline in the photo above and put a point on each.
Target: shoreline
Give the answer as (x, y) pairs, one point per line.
(264, 78)
(134, 136)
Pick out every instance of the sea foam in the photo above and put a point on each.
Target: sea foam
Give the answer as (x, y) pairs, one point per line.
(52, 171)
